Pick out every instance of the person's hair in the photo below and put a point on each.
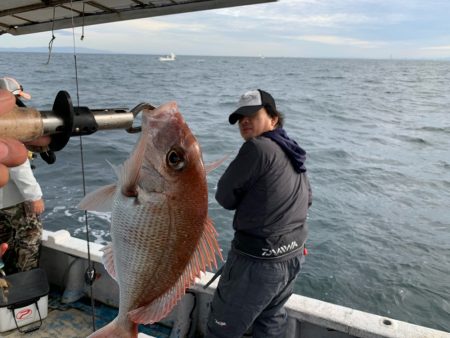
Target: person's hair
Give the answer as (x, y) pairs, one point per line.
(277, 113)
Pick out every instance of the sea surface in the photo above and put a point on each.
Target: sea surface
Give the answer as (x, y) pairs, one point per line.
(377, 134)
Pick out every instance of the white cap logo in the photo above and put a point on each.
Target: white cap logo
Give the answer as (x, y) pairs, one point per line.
(250, 98)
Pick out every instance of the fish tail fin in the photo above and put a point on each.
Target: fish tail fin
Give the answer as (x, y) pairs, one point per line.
(114, 330)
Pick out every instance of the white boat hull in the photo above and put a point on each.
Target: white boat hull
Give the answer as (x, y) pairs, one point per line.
(170, 57)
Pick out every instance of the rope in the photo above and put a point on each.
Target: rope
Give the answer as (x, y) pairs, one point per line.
(90, 272)
(82, 26)
(50, 44)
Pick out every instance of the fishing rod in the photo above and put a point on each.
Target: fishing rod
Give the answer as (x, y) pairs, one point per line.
(65, 121)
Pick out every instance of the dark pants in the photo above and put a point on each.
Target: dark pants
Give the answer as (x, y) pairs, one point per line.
(252, 292)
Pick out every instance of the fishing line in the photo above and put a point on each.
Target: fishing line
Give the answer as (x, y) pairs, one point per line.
(90, 272)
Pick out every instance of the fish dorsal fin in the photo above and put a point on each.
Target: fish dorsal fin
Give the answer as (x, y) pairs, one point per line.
(108, 260)
(204, 256)
(99, 200)
(211, 166)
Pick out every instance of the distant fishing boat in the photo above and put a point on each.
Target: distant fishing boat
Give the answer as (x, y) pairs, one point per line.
(170, 57)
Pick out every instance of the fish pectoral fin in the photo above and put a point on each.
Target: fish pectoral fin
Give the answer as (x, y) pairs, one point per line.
(108, 260)
(99, 200)
(211, 166)
(116, 168)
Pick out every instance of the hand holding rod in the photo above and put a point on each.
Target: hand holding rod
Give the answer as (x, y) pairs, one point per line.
(64, 121)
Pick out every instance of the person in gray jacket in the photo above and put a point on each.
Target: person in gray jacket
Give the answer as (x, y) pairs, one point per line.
(267, 186)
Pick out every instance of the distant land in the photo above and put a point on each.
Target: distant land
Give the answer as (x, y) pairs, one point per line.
(83, 50)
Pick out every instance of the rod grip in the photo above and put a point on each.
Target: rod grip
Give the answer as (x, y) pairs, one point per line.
(23, 124)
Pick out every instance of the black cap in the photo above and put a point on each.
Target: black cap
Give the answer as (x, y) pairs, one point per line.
(250, 102)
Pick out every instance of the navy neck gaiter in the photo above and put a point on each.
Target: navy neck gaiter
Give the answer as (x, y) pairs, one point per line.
(294, 152)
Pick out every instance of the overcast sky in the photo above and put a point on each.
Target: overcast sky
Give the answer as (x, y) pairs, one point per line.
(292, 28)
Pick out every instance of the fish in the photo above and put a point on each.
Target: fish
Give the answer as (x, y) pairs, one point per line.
(161, 235)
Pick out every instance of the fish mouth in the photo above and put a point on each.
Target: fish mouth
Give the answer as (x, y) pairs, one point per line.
(163, 115)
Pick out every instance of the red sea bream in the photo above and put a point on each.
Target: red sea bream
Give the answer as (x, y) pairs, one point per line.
(161, 235)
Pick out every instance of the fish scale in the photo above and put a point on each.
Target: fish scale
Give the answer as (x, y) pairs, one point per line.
(139, 260)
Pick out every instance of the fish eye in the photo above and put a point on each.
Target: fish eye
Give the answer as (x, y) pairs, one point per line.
(175, 159)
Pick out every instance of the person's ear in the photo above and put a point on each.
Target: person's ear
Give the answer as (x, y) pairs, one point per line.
(274, 121)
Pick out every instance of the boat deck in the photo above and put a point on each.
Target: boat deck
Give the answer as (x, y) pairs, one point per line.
(74, 320)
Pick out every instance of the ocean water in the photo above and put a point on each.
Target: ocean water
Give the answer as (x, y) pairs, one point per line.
(377, 133)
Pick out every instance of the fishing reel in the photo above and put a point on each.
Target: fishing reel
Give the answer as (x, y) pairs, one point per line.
(65, 121)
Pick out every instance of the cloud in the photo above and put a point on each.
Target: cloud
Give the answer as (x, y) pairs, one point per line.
(437, 48)
(301, 19)
(142, 26)
(339, 40)
(332, 20)
(157, 26)
(318, 13)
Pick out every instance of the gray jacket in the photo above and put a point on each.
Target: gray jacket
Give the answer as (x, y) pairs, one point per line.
(269, 196)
